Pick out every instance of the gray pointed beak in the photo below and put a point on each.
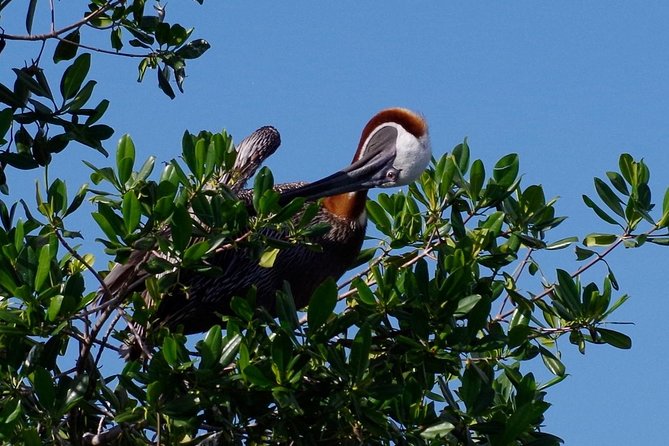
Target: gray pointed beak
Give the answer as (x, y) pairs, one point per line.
(374, 169)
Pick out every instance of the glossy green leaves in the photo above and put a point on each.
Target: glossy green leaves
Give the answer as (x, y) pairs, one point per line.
(430, 342)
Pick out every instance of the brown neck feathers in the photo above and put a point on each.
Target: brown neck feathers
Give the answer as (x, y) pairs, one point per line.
(348, 206)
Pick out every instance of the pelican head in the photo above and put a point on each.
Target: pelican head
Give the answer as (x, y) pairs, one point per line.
(394, 150)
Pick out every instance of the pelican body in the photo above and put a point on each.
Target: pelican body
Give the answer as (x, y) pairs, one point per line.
(393, 150)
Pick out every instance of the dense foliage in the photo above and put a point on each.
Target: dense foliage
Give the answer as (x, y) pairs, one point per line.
(430, 341)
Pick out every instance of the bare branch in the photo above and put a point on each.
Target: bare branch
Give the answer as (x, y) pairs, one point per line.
(103, 51)
(54, 34)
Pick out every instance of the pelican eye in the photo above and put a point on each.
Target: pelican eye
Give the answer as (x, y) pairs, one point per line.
(392, 175)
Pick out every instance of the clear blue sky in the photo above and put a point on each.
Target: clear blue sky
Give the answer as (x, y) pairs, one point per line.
(567, 85)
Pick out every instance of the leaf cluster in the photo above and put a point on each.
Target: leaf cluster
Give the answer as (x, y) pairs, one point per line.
(38, 120)
(442, 320)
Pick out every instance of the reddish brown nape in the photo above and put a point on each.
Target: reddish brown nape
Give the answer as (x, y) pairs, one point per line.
(413, 124)
(348, 206)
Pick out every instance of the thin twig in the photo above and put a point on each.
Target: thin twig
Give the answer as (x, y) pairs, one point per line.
(101, 50)
(55, 34)
(53, 16)
(578, 272)
(367, 270)
(137, 335)
(105, 338)
(88, 343)
(516, 275)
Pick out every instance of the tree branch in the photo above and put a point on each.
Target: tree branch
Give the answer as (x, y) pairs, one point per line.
(578, 272)
(55, 33)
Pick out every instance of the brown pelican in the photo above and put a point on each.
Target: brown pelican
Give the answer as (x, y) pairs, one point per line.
(394, 149)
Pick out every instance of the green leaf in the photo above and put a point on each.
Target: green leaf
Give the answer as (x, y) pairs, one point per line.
(8, 281)
(44, 387)
(242, 308)
(255, 376)
(263, 182)
(568, 290)
(282, 352)
(505, 171)
(67, 47)
(178, 35)
(57, 196)
(562, 243)
(141, 68)
(155, 391)
(81, 98)
(612, 278)
(552, 362)
(476, 178)
(43, 267)
(662, 241)
(609, 197)
(359, 358)
(625, 163)
(146, 168)
(466, 304)
(31, 437)
(195, 252)
(379, 217)
(520, 421)
(194, 49)
(169, 350)
(214, 339)
(76, 392)
(663, 222)
(164, 82)
(436, 431)
(615, 338)
(461, 156)
(182, 227)
(98, 112)
(125, 158)
(44, 84)
(116, 38)
(54, 307)
(582, 253)
(616, 304)
(618, 182)
(6, 117)
(596, 239)
(25, 77)
(13, 410)
(365, 293)
(200, 159)
(322, 304)
(132, 211)
(285, 308)
(288, 211)
(74, 76)
(30, 15)
(106, 226)
(162, 33)
(230, 349)
(268, 257)
(599, 211)
(77, 201)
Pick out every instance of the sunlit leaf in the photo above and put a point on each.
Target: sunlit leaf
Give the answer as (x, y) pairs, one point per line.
(615, 338)
(74, 76)
(551, 361)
